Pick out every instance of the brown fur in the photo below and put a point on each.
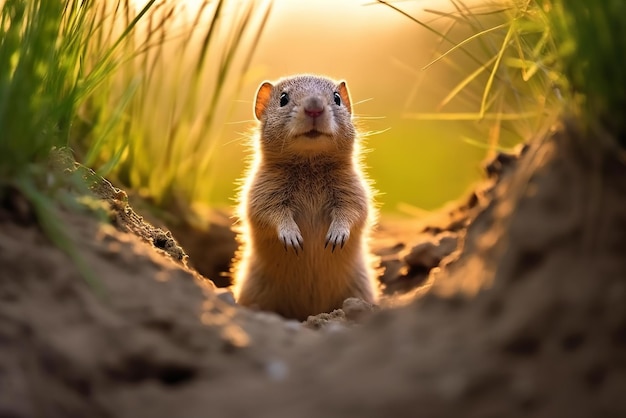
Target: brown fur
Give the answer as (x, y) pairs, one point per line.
(305, 207)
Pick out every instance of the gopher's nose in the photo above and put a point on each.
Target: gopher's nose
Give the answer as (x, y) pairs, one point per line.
(313, 107)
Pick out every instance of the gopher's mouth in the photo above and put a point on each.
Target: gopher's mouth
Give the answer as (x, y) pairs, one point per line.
(313, 133)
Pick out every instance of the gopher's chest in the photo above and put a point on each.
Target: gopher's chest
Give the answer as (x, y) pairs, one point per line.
(312, 203)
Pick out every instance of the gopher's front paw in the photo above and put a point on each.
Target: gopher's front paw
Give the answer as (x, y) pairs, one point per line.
(337, 236)
(290, 236)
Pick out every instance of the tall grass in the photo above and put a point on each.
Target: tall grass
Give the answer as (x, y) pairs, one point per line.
(43, 83)
(525, 61)
(591, 40)
(183, 83)
(39, 80)
(502, 54)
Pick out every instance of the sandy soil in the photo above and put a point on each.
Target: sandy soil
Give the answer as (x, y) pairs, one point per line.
(512, 304)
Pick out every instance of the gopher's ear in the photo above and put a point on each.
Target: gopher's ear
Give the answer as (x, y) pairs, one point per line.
(342, 88)
(262, 99)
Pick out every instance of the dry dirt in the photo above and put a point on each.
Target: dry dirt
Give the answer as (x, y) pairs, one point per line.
(513, 304)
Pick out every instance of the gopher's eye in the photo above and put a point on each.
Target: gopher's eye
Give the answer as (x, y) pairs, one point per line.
(284, 99)
(337, 99)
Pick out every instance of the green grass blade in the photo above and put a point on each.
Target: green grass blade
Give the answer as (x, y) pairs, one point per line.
(496, 66)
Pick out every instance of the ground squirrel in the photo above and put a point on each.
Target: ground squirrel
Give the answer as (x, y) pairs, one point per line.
(305, 207)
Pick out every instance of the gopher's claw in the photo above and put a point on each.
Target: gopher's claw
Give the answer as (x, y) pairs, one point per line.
(291, 237)
(337, 237)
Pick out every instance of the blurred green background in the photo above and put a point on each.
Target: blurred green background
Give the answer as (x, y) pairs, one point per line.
(416, 164)
(172, 118)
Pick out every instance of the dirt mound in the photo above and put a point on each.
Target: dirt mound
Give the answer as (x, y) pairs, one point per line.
(149, 326)
(527, 318)
(529, 321)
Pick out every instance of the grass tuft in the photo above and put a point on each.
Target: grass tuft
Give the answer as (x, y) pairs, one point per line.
(193, 59)
(531, 59)
(502, 54)
(44, 81)
(591, 40)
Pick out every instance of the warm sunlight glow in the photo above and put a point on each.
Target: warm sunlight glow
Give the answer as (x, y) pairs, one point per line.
(379, 51)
